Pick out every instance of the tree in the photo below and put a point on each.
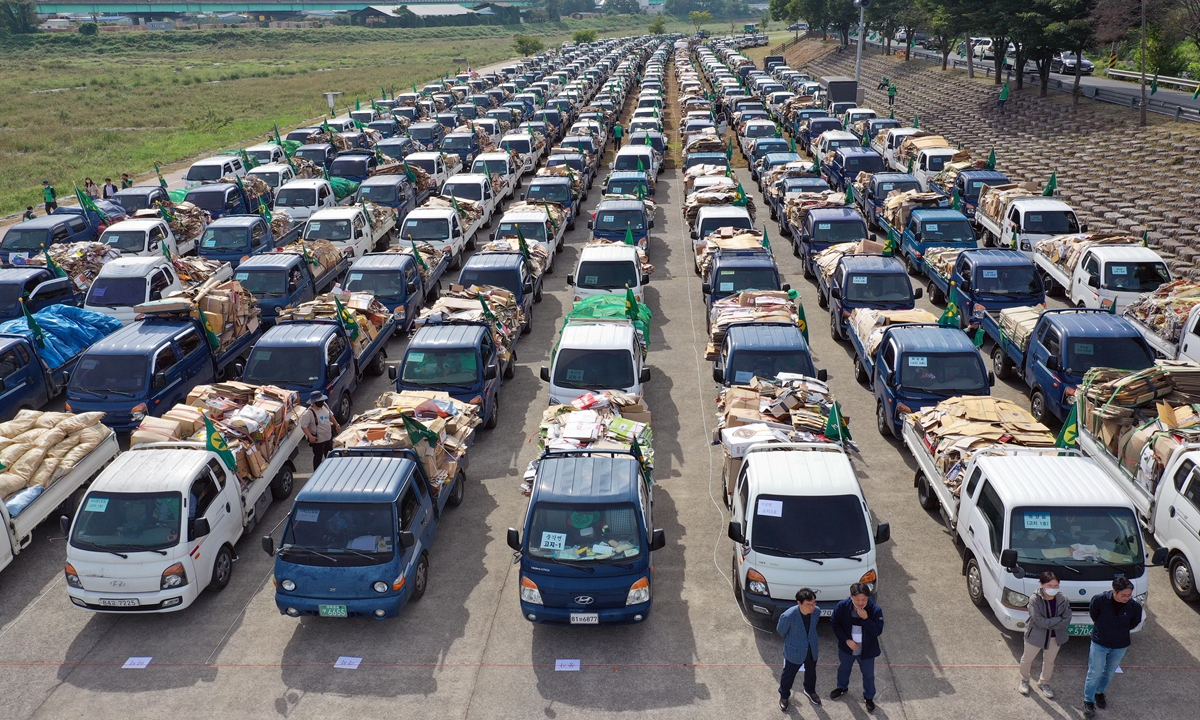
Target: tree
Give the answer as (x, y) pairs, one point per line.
(911, 19)
(553, 10)
(658, 26)
(1073, 31)
(1187, 19)
(18, 17)
(762, 21)
(584, 36)
(89, 29)
(948, 20)
(526, 46)
(884, 16)
(699, 18)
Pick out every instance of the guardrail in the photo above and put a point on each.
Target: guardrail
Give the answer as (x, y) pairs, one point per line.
(784, 46)
(1133, 76)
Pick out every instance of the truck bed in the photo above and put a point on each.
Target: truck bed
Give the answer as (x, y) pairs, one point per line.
(916, 448)
(1168, 349)
(1142, 498)
(253, 494)
(1058, 274)
(385, 333)
(61, 490)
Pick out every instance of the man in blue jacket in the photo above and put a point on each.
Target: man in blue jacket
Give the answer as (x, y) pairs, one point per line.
(1114, 615)
(798, 626)
(857, 623)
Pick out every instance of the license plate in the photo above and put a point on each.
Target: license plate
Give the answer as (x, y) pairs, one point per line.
(332, 610)
(585, 618)
(1079, 629)
(132, 602)
(827, 613)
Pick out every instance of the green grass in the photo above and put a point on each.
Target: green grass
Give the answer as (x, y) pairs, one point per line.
(134, 99)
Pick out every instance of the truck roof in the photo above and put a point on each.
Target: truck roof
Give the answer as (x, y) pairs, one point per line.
(312, 183)
(213, 188)
(1127, 253)
(427, 155)
(357, 479)
(152, 470)
(995, 257)
(938, 214)
(727, 211)
(856, 150)
(236, 221)
(384, 180)
(612, 204)
(839, 134)
(504, 259)
(139, 337)
(832, 213)
(137, 224)
(893, 177)
(766, 336)
(983, 175)
(449, 335)
(820, 472)
(592, 334)
(608, 251)
(1043, 480)
(475, 178)
(1091, 324)
(932, 339)
(493, 155)
(264, 146)
(875, 264)
(1039, 203)
(591, 478)
(345, 211)
(383, 260)
(298, 333)
(269, 167)
(140, 190)
(46, 221)
(132, 266)
(282, 260)
(513, 216)
(214, 160)
(20, 274)
(431, 212)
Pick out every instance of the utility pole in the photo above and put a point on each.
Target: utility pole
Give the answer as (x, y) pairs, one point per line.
(1143, 107)
(862, 6)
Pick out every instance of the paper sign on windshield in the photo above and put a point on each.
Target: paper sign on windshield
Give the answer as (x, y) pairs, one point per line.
(918, 361)
(575, 375)
(307, 515)
(1085, 349)
(859, 279)
(591, 279)
(743, 376)
(96, 505)
(1118, 269)
(770, 508)
(553, 541)
(1037, 521)
(823, 226)
(356, 276)
(991, 274)
(608, 218)
(932, 227)
(241, 276)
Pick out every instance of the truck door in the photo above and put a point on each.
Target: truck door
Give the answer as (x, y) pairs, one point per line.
(324, 197)
(258, 238)
(19, 383)
(1044, 345)
(196, 367)
(1083, 290)
(1184, 523)
(51, 292)
(885, 363)
(337, 350)
(167, 380)
(985, 533)
(156, 237)
(361, 242)
(1189, 348)
(1011, 229)
(414, 512)
(489, 356)
(205, 500)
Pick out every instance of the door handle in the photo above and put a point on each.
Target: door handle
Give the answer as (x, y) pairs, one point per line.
(227, 508)
(971, 530)
(1171, 512)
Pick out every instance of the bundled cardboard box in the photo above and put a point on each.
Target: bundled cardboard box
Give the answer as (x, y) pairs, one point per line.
(764, 306)
(1017, 323)
(827, 260)
(869, 324)
(461, 304)
(610, 420)
(367, 314)
(1166, 310)
(1066, 250)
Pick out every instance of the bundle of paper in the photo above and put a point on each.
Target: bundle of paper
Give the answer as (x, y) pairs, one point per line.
(1166, 310)
(558, 214)
(367, 314)
(942, 260)
(503, 315)
(994, 198)
(379, 213)
(918, 141)
(861, 182)
(726, 238)
(962, 160)
(306, 169)
(721, 194)
(324, 254)
(194, 270)
(578, 187)
(453, 162)
(1018, 323)
(226, 307)
(1066, 250)
(827, 259)
(187, 221)
(796, 168)
(538, 257)
(704, 141)
(469, 211)
(869, 324)
(254, 186)
(420, 179)
(764, 306)
(281, 222)
(957, 428)
(793, 107)
(604, 421)
(788, 408)
(81, 261)
(701, 170)
(797, 205)
(484, 138)
(429, 255)
(897, 206)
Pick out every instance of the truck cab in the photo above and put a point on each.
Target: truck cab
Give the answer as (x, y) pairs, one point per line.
(397, 147)
(969, 183)
(126, 282)
(1030, 219)
(434, 164)
(234, 238)
(502, 165)
(37, 286)
(580, 504)
(211, 169)
(320, 154)
(392, 191)
(878, 188)
(458, 358)
(221, 199)
(637, 157)
(536, 226)
(732, 271)
(477, 189)
(612, 218)
(990, 280)
(831, 140)
(440, 227)
(608, 269)
(277, 280)
(463, 144)
(848, 162)
(356, 165)
(755, 349)
(26, 239)
(302, 198)
(595, 356)
(1110, 275)
(395, 280)
(386, 127)
(890, 146)
(929, 163)
(865, 281)
(275, 176)
(307, 356)
(523, 145)
(823, 227)
(267, 154)
(141, 197)
(508, 270)
(555, 189)
(934, 227)
(141, 237)
(350, 229)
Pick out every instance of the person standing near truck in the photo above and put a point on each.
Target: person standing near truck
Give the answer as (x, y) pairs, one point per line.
(618, 133)
(319, 425)
(109, 189)
(1003, 97)
(798, 626)
(1049, 615)
(1114, 615)
(857, 622)
(125, 181)
(29, 213)
(892, 95)
(49, 196)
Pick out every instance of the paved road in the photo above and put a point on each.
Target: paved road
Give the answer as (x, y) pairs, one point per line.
(464, 650)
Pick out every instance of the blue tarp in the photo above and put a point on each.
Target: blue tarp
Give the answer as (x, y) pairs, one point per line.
(69, 331)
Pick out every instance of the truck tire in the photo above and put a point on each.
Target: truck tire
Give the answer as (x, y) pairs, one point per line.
(771, 211)
(420, 578)
(1183, 580)
(1001, 363)
(834, 331)
(456, 261)
(343, 409)
(925, 495)
(935, 293)
(913, 268)
(822, 299)
(434, 292)
(222, 569)
(882, 424)
(377, 366)
(495, 417)
(975, 583)
(860, 371)
(460, 490)
(1037, 405)
(283, 482)
(808, 273)
(528, 322)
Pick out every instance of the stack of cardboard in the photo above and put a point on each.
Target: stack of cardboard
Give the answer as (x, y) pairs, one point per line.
(898, 206)
(797, 205)
(469, 211)
(1065, 251)
(538, 258)
(1017, 323)
(430, 255)
(1166, 310)
(643, 260)
(942, 260)
(385, 426)
(993, 199)
(706, 141)
(796, 168)
(869, 324)
(695, 171)
(187, 221)
(463, 305)
(578, 188)
(421, 180)
(453, 163)
(194, 270)
(379, 213)
(281, 222)
(558, 214)
(917, 142)
(762, 306)
(39, 447)
(485, 139)
(325, 253)
(254, 420)
(959, 427)
(793, 107)
(726, 238)
(605, 421)
(81, 261)
(861, 181)
(827, 260)
(254, 186)
(306, 169)
(368, 314)
(962, 160)
(228, 308)
(713, 195)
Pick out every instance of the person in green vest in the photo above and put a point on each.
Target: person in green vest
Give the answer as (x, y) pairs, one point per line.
(891, 94)
(49, 196)
(618, 133)
(1003, 97)
(125, 181)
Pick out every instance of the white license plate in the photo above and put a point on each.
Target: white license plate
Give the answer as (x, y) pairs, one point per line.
(827, 613)
(585, 618)
(132, 602)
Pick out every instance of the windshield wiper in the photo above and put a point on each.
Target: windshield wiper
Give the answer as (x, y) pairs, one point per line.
(1038, 561)
(556, 561)
(93, 393)
(787, 553)
(360, 554)
(120, 392)
(288, 548)
(613, 561)
(100, 548)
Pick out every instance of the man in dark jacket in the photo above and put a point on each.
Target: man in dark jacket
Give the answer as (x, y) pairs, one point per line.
(857, 623)
(798, 626)
(1114, 615)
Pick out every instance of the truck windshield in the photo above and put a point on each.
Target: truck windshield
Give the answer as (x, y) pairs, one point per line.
(437, 229)
(758, 131)
(283, 365)
(224, 238)
(125, 240)
(1140, 277)
(583, 145)
(211, 201)
(938, 162)
(426, 164)
(128, 522)
(296, 197)
(263, 156)
(531, 229)
(736, 279)
(104, 373)
(630, 161)
(517, 146)
(438, 368)
(132, 203)
(1127, 353)
(810, 526)
(381, 194)
(348, 167)
(507, 278)
(10, 293)
(464, 191)
(332, 230)
(746, 364)
(864, 163)
(313, 154)
(883, 189)
(495, 167)
(393, 150)
(889, 288)
(263, 283)
(943, 231)
(607, 274)
(1088, 539)
(1050, 222)
(380, 283)
(618, 220)
(339, 534)
(271, 177)
(835, 231)
(959, 373)
(711, 225)
(22, 240)
(117, 291)
(1007, 281)
(458, 142)
(584, 533)
(627, 187)
(551, 192)
(588, 369)
(203, 173)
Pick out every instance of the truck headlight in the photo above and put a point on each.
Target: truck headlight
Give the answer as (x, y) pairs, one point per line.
(1141, 599)
(288, 585)
(639, 592)
(138, 413)
(72, 576)
(1014, 599)
(400, 313)
(1069, 396)
(173, 577)
(380, 586)
(756, 583)
(530, 592)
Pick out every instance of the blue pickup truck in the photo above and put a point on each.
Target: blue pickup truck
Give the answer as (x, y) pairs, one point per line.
(588, 534)
(150, 365)
(27, 239)
(39, 288)
(930, 228)
(280, 279)
(459, 358)
(1063, 346)
(141, 197)
(916, 367)
(397, 147)
(989, 280)
(705, 158)
(393, 191)
(556, 190)
(508, 270)
(824, 227)
(395, 279)
(878, 188)
(847, 163)
(864, 281)
(319, 154)
(465, 145)
(732, 271)
(777, 201)
(763, 350)
(355, 165)
(969, 183)
(221, 199)
(817, 125)
(612, 217)
(235, 238)
(357, 541)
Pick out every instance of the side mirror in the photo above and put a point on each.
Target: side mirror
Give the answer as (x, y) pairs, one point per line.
(785, 287)
(658, 540)
(694, 235)
(64, 524)
(405, 539)
(199, 529)
(335, 369)
(392, 372)
(589, 224)
(544, 374)
(160, 380)
(1053, 364)
(918, 293)
(836, 293)
(1093, 281)
(706, 288)
(491, 236)
(411, 287)
(735, 532)
(268, 545)
(1159, 558)
(991, 379)
(645, 375)
(1008, 559)
(883, 533)
(489, 373)
(527, 287)
(651, 224)
(570, 279)
(645, 279)
(718, 377)
(514, 539)
(823, 375)
(1083, 227)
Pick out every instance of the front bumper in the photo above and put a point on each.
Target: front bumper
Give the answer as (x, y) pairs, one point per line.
(298, 606)
(628, 615)
(767, 610)
(163, 601)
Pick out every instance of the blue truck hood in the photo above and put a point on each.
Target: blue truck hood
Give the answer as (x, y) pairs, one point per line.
(336, 583)
(116, 409)
(456, 392)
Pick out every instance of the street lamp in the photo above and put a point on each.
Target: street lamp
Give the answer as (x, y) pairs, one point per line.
(862, 5)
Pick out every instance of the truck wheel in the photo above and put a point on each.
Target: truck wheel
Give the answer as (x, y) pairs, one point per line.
(822, 299)
(913, 268)
(975, 583)
(537, 295)
(343, 409)
(434, 292)
(456, 261)
(281, 486)
(808, 273)
(460, 489)
(222, 569)
(1037, 405)
(1001, 364)
(737, 583)
(377, 366)
(421, 579)
(771, 211)
(1052, 287)
(528, 322)
(935, 293)
(834, 331)
(571, 225)
(860, 371)
(925, 494)
(1183, 581)
(495, 417)
(882, 424)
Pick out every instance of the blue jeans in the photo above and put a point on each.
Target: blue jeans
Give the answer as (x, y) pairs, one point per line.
(1102, 663)
(867, 665)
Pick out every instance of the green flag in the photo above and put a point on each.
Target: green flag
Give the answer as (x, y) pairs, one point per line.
(792, 144)
(247, 162)
(802, 321)
(487, 311)
(892, 115)
(550, 216)
(347, 320)
(649, 141)
(1145, 238)
(487, 171)
(955, 200)
(214, 342)
(729, 149)
(836, 428)
(951, 315)
(916, 121)
(412, 176)
(1051, 185)
(629, 235)
(636, 449)
(739, 197)
(910, 165)
(367, 212)
(216, 443)
(1197, 93)
(766, 241)
(641, 192)
(417, 255)
(1069, 435)
(978, 339)
(357, 105)
(88, 204)
(165, 211)
(166, 250)
(308, 258)
(521, 244)
(1154, 84)
(816, 166)
(457, 209)
(890, 246)
(991, 161)
(161, 180)
(417, 432)
(865, 140)
(631, 304)
(849, 194)
(383, 92)
(39, 336)
(52, 266)
(641, 165)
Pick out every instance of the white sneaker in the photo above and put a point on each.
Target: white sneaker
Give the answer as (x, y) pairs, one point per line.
(1023, 688)
(1049, 693)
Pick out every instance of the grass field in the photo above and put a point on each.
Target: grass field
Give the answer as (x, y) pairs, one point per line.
(77, 107)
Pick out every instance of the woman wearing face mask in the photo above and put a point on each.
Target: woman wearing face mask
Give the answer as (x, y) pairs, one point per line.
(1049, 615)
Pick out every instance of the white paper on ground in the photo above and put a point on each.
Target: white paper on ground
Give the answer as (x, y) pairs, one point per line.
(137, 663)
(566, 666)
(347, 663)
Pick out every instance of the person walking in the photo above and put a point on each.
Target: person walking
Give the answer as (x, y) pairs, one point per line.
(1046, 632)
(319, 425)
(1114, 615)
(1003, 97)
(91, 188)
(884, 83)
(125, 181)
(618, 133)
(108, 189)
(857, 622)
(892, 95)
(798, 626)
(49, 196)
(29, 213)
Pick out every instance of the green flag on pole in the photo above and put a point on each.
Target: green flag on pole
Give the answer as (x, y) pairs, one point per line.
(991, 161)
(457, 209)
(641, 192)
(951, 315)
(487, 311)
(347, 320)
(550, 216)
(39, 336)
(890, 246)
(166, 250)
(729, 149)
(1154, 84)
(307, 257)
(412, 176)
(916, 121)
(892, 115)
(1145, 238)
(629, 235)
(1069, 435)
(161, 180)
(1051, 185)
(837, 428)
(631, 304)
(88, 204)
(216, 443)
(1197, 93)
(522, 245)
(816, 166)
(849, 194)
(54, 268)
(417, 431)
(417, 255)
(278, 139)
(214, 342)
(792, 144)
(766, 241)
(955, 200)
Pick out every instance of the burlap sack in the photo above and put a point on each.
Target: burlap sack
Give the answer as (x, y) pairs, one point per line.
(65, 446)
(44, 475)
(19, 424)
(74, 423)
(28, 463)
(12, 453)
(50, 419)
(10, 484)
(88, 439)
(50, 438)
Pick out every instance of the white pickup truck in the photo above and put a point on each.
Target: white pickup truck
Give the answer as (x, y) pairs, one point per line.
(929, 163)
(1025, 220)
(352, 230)
(160, 524)
(501, 165)
(275, 175)
(440, 227)
(63, 495)
(889, 147)
(144, 237)
(1186, 348)
(127, 282)
(524, 145)
(593, 356)
(608, 269)
(435, 164)
(1105, 274)
(477, 189)
(535, 225)
(302, 198)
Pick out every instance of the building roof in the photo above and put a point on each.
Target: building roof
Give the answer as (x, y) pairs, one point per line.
(438, 10)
